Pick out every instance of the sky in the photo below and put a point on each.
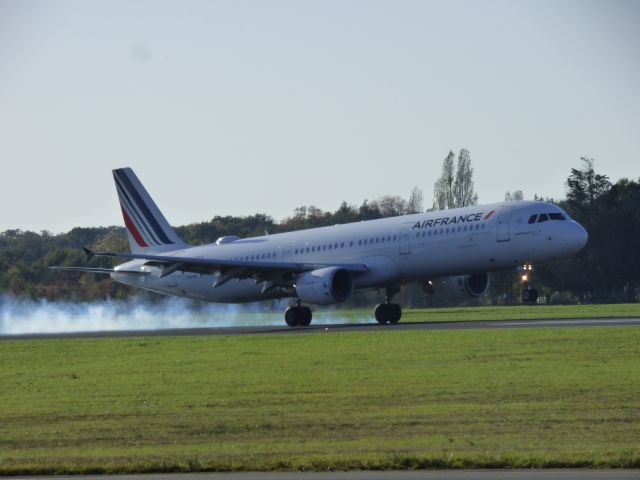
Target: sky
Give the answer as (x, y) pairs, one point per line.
(240, 107)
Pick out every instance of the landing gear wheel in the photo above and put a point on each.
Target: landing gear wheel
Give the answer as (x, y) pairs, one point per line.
(306, 316)
(381, 313)
(388, 313)
(394, 312)
(298, 316)
(291, 317)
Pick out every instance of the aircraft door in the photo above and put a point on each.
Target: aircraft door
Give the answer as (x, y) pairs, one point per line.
(503, 223)
(405, 245)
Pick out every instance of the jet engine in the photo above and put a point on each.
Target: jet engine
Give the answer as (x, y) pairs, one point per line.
(324, 286)
(473, 285)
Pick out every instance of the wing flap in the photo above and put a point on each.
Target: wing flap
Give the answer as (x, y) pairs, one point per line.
(209, 265)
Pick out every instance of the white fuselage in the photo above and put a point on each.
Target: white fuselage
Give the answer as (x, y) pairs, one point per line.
(395, 250)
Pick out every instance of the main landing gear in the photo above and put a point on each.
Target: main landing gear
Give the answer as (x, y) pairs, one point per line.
(298, 316)
(529, 294)
(388, 312)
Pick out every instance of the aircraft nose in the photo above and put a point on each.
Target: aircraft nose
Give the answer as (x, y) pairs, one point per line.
(579, 236)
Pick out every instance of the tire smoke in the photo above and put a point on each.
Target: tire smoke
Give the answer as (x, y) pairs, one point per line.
(25, 316)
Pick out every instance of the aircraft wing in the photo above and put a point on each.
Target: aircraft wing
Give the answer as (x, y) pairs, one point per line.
(97, 270)
(272, 272)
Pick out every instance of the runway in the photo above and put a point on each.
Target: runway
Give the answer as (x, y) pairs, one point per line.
(336, 328)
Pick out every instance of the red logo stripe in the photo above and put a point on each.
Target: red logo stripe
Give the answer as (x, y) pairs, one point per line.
(132, 229)
(488, 215)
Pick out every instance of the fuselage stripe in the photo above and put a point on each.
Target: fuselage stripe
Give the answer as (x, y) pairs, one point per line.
(135, 216)
(132, 228)
(488, 215)
(144, 209)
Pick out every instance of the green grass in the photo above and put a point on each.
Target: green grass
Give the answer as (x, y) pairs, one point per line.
(518, 312)
(500, 398)
(522, 312)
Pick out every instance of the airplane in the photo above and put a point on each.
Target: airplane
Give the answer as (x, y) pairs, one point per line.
(453, 248)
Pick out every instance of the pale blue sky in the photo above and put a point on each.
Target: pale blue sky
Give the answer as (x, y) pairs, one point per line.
(238, 107)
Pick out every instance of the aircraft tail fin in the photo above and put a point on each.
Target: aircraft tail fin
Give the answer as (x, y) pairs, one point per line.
(147, 229)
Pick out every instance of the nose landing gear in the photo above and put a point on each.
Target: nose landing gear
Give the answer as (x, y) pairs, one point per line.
(529, 294)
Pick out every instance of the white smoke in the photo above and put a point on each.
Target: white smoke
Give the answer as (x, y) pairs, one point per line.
(25, 316)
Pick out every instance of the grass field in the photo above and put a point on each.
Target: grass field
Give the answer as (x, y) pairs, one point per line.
(522, 312)
(500, 398)
(518, 312)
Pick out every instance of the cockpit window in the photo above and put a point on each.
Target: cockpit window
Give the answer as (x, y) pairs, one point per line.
(557, 216)
(542, 218)
(532, 218)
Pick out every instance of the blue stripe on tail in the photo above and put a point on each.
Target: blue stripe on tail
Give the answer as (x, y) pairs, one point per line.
(142, 207)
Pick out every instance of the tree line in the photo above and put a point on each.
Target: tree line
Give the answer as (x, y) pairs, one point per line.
(607, 269)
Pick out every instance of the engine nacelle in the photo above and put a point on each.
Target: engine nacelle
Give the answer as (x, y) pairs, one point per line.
(324, 286)
(474, 285)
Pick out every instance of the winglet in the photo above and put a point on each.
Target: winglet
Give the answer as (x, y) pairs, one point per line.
(89, 253)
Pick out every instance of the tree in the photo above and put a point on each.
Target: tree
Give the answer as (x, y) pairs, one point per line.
(443, 188)
(463, 188)
(390, 205)
(515, 196)
(455, 190)
(369, 211)
(415, 204)
(585, 185)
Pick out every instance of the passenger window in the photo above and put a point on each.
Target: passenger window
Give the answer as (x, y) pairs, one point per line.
(532, 218)
(542, 218)
(394, 237)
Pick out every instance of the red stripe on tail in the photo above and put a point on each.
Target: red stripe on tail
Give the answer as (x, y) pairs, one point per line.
(132, 229)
